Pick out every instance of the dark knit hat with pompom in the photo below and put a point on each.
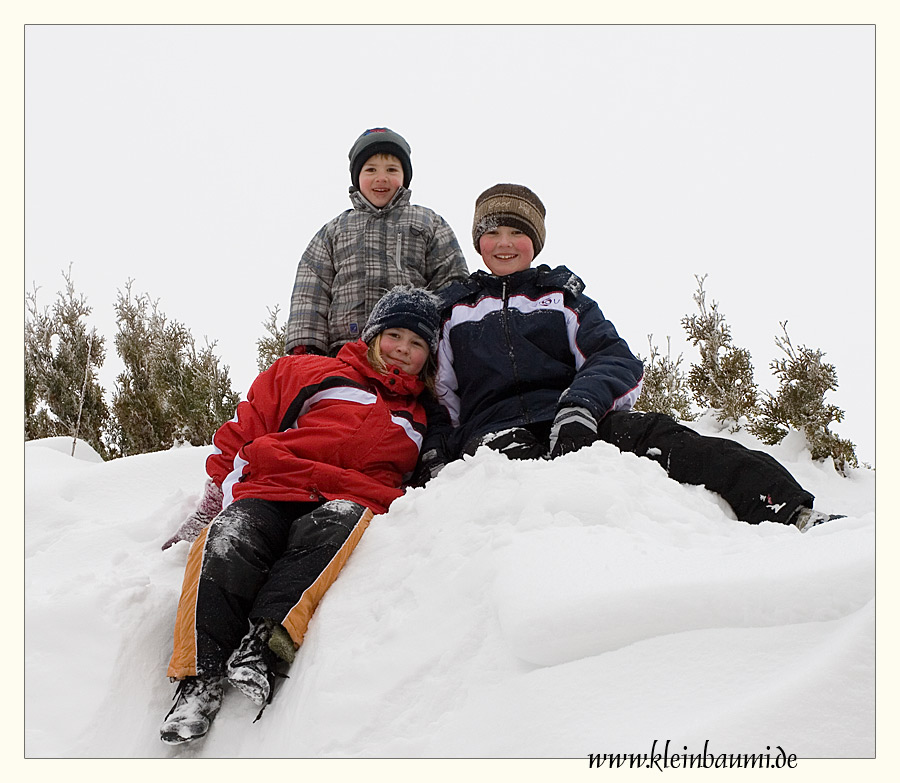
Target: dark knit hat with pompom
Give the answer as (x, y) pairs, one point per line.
(510, 205)
(406, 307)
(379, 140)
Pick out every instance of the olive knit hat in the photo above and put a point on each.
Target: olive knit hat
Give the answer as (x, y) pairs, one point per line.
(379, 140)
(510, 205)
(406, 307)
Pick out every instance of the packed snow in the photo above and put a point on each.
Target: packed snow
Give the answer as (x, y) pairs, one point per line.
(559, 609)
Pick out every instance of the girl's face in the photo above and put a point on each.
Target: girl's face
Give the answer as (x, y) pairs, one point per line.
(380, 178)
(505, 250)
(404, 349)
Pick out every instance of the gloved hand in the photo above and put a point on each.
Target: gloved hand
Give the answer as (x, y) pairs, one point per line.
(573, 428)
(513, 443)
(430, 464)
(305, 350)
(210, 505)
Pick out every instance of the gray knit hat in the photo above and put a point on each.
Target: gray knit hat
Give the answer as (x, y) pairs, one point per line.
(406, 307)
(510, 205)
(379, 140)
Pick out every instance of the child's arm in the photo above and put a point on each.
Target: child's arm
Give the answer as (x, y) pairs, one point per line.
(444, 259)
(610, 376)
(307, 323)
(249, 422)
(435, 454)
(254, 417)
(207, 510)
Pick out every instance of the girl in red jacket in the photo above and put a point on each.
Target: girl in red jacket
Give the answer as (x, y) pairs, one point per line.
(319, 446)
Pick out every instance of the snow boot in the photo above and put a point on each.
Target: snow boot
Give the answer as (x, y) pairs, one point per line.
(197, 701)
(807, 518)
(251, 667)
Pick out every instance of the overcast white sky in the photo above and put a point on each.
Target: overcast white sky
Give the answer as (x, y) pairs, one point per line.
(200, 160)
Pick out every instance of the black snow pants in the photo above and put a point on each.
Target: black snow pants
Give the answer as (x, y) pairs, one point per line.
(756, 486)
(259, 559)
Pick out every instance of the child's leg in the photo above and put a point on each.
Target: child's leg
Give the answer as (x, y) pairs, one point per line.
(227, 565)
(757, 486)
(318, 546)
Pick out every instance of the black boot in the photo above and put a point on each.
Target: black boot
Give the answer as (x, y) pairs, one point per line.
(251, 667)
(197, 701)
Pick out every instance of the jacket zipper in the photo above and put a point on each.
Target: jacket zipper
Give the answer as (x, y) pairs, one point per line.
(511, 353)
(399, 258)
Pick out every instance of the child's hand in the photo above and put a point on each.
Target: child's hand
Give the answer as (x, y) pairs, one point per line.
(573, 428)
(210, 505)
(188, 531)
(305, 350)
(431, 463)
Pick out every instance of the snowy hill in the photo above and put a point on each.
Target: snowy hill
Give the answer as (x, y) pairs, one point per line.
(509, 609)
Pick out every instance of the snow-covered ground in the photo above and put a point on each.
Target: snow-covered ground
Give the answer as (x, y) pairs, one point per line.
(587, 605)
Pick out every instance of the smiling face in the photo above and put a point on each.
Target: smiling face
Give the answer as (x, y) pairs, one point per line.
(505, 250)
(379, 179)
(404, 349)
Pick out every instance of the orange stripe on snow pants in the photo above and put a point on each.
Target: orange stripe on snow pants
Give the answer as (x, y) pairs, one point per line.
(184, 653)
(300, 614)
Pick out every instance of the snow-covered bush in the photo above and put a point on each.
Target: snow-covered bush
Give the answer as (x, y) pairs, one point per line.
(271, 346)
(169, 392)
(800, 404)
(665, 389)
(62, 356)
(723, 380)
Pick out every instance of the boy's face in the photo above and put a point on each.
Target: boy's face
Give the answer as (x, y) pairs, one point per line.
(380, 178)
(505, 250)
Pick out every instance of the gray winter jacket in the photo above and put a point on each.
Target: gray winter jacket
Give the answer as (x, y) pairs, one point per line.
(356, 258)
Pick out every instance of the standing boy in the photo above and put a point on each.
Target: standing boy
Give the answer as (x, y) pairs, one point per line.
(356, 258)
(383, 241)
(529, 366)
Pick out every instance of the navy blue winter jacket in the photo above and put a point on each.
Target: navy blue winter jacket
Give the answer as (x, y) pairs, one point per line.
(516, 349)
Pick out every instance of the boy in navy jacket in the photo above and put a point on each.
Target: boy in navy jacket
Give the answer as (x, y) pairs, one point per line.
(529, 366)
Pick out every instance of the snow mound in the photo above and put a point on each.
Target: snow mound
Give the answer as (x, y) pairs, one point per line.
(509, 609)
(83, 449)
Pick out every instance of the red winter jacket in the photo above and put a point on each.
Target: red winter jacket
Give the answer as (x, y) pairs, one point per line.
(316, 427)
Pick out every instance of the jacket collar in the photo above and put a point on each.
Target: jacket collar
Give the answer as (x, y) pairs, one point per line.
(401, 199)
(540, 276)
(395, 382)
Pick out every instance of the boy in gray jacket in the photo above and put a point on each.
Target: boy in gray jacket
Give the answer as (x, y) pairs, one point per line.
(383, 241)
(353, 260)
